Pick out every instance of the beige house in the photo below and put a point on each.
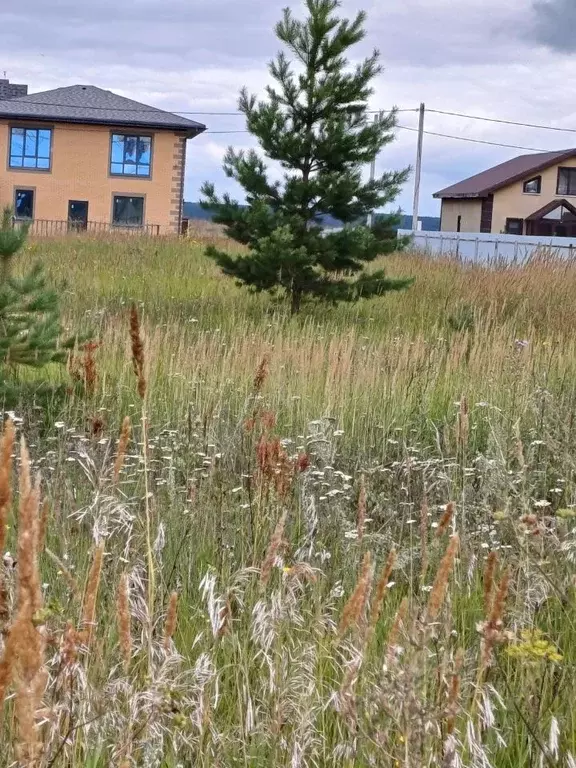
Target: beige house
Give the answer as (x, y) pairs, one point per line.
(529, 195)
(87, 158)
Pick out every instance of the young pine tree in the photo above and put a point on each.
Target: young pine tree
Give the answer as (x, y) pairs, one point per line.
(316, 126)
(29, 312)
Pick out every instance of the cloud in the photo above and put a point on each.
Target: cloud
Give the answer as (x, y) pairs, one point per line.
(554, 22)
(476, 57)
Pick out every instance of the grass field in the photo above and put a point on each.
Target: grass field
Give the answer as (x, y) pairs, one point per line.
(346, 538)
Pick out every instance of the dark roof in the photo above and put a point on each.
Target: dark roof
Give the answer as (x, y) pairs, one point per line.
(506, 173)
(88, 104)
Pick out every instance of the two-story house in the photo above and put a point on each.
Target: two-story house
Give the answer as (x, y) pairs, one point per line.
(88, 157)
(528, 195)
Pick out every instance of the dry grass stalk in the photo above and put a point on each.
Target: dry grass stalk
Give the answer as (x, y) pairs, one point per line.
(123, 619)
(440, 585)
(492, 628)
(446, 518)
(354, 608)
(261, 374)
(6, 447)
(463, 424)
(29, 584)
(423, 540)
(497, 612)
(454, 691)
(272, 551)
(171, 619)
(399, 622)
(64, 571)
(23, 659)
(125, 433)
(43, 525)
(489, 572)
(91, 595)
(138, 364)
(361, 510)
(381, 585)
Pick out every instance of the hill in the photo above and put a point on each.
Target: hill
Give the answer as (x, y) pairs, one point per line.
(429, 223)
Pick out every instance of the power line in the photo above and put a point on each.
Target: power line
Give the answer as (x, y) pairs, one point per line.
(474, 141)
(428, 133)
(148, 110)
(502, 121)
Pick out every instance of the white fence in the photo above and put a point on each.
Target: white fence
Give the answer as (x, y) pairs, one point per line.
(471, 246)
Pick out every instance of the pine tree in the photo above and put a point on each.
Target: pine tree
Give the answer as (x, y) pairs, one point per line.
(315, 125)
(30, 329)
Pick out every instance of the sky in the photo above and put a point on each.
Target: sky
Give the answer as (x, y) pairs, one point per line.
(512, 60)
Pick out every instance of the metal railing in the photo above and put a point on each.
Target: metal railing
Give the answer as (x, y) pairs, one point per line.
(57, 228)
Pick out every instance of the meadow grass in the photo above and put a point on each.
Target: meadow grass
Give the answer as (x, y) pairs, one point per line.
(284, 560)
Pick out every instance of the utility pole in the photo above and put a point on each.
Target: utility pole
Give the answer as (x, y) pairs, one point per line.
(418, 169)
(370, 220)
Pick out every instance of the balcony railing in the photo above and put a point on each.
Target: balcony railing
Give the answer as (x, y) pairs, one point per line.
(56, 228)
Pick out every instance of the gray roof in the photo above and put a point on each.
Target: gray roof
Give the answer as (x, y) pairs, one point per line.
(483, 184)
(88, 104)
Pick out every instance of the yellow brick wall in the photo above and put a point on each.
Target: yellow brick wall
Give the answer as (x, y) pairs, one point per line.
(80, 171)
(513, 203)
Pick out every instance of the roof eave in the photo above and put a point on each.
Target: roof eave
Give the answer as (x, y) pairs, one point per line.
(460, 195)
(191, 130)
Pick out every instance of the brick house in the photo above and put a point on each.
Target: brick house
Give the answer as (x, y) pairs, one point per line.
(90, 158)
(528, 195)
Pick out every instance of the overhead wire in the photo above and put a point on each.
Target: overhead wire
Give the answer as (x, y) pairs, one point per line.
(449, 113)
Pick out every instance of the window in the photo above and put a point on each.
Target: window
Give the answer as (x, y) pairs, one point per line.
(24, 203)
(30, 148)
(533, 186)
(566, 181)
(514, 226)
(127, 211)
(130, 155)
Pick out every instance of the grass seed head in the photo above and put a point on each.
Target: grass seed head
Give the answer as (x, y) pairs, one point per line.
(138, 362)
(91, 595)
(171, 619)
(6, 448)
(446, 518)
(272, 551)
(354, 609)
(125, 433)
(380, 592)
(440, 585)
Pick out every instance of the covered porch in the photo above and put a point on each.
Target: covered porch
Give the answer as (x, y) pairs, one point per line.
(556, 219)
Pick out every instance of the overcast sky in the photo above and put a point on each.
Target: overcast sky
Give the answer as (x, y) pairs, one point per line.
(511, 59)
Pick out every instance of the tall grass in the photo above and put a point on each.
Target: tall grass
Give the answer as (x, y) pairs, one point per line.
(346, 538)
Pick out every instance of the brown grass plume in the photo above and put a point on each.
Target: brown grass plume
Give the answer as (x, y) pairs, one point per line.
(137, 344)
(91, 595)
(440, 585)
(354, 608)
(272, 551)
(171, 619)
(125, 433)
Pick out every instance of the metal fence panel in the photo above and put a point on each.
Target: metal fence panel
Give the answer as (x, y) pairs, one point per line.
(480, 247)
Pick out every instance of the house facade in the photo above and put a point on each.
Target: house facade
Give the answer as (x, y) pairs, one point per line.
(89, 158)
(528, 195)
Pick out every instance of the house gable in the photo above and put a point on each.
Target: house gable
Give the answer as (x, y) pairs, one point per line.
(505, 174)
